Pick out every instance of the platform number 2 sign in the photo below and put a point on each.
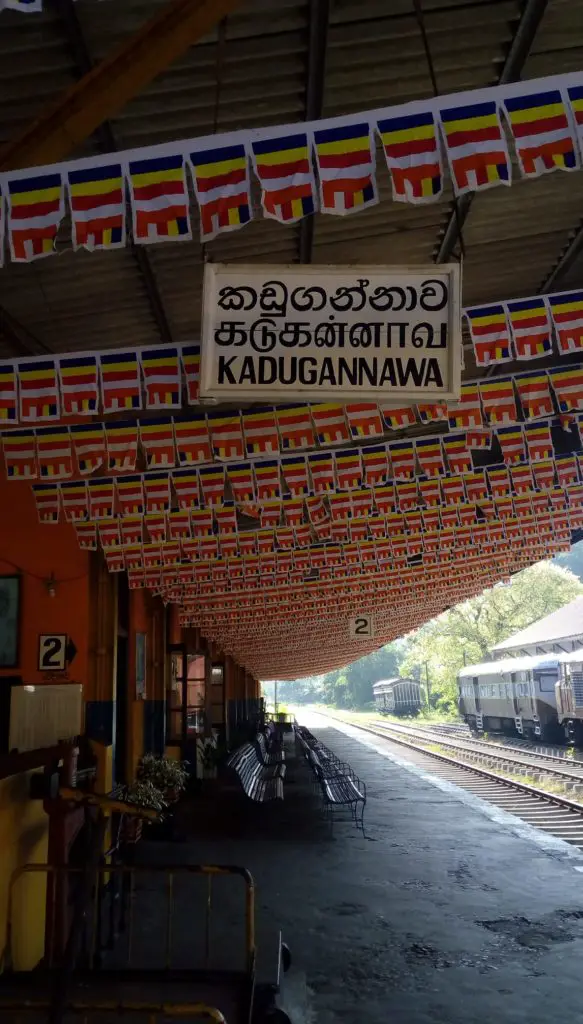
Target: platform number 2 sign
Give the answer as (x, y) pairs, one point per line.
(52, 652)
(361, 627)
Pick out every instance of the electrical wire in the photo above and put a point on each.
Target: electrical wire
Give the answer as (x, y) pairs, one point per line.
(35, 576)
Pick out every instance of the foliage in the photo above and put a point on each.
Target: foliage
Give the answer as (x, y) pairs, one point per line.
(163, 772)
(466, 633)
(141, 794)
(572, 560)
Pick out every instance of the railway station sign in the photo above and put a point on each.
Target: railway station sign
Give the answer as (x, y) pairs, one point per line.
(361, 627)
(322, 333)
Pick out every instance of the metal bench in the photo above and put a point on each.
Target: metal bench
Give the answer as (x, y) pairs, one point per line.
(267, 757)
(259, 783)
(345, 790)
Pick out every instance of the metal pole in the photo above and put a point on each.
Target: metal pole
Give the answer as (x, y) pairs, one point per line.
(275, 697)
(427, 684)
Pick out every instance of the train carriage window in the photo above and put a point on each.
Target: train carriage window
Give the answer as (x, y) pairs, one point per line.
(547, 682)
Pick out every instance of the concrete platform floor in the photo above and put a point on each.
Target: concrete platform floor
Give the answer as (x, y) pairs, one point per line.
(445, 911)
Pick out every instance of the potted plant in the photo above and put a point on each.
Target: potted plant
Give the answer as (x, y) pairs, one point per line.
(169, 777)
(140, 793)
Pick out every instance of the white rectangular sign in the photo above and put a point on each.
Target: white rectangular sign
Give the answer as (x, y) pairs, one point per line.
(361, 627)
(319, 333)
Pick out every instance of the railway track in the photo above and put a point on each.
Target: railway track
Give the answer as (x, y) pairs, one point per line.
(552, 813)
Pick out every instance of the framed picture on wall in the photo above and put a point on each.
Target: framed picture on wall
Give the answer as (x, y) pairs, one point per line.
(9, 620)
(140, 666)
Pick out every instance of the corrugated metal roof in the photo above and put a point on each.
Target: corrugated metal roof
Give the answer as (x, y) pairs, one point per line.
(563, 623)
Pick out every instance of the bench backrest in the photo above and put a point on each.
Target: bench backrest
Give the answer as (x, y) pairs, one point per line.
(245, 763)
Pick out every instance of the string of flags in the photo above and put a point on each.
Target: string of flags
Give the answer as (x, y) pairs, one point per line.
(327, 165)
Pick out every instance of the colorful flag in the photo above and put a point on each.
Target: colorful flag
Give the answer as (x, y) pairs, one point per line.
(413, 156)
(122, 446)
(226, 518)
(544, 474)
(433, 412)
(212, 481)
(364, 419)
(130, 495)
(349, 469)
(567, 470)
(534, 393)
(86, 536)
(97, 201)
(453, 489)
(159, 199)
(407, 495)
(101, 498)
(402, 456)
(568, 387)
(498, 400)
(479, 439)
(54, 452)
(75, 500)
(270, 514)
(157, 440)
(430, 456)
(293, 511)
(157, 492)
(567, 316)
(530, 327)
(430, 491)
(317, 511)
(248, 543)
(162, 380)
(522, 481)
(476, 147)
(468, 411)
(284, 168)
(457, 453)
(192, 440)
(475, 486)
(39, 390)
(260, 430)
(240, 477)
(330, 423)
(322, 472)
(190, 357)
(226, 433)
(221, 182)
(132, 529)
(8, 388)
(20, 455)
(202, 522)
(79, 379)
(295, 427)
(499, 481)
(490, 335)
(375, 465)
(46, 498)
(89, 446)
(267, 480)
(120, 381)
(363, 502)
(511, 440)
(542, 133)
(36, 207)
(346, 168)
(295, 475)
(396, 419)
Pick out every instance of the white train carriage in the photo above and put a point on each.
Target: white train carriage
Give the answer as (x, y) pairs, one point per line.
(569, 695)
(397, 696)
(515, 696)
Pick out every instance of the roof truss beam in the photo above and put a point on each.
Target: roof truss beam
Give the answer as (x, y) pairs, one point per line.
(316, 71)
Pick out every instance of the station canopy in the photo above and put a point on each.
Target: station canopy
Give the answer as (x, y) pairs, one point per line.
(421, 133)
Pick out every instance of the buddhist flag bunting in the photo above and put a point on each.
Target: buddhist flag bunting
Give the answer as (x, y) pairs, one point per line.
(46, 497)
(240, 477)
(159, 199)
(79, 378)
(490, 335)
(349, 469)
(542, 133)
(248, 543)
(402, 456)
(132, 529)
(190, 357)
(432, 413)
(568, 387)
(322, 472)
(295, 475)
(212, 481)
(130, 495)
(430, 456)
(511, 440)
(20, 455)
(101, 498)
(226, 519)
(479, 439)
(109, 535)
(202, 522)
(498, 401)
(54, 452)
(192, 440)
(157, 440)
(567, 470)
(363, 502)
(468, 411)
(522, 480)
(567, 316)
(120, 381)
(86, 536)
(499, 482)
(284, 168)
(89, 446)
(430, 491)
(295, 427)
(476, 148)
(35, 209)
(221, 182)
(413, 156)
(162, 382)
(293, 512)
(476, 486)
(330, 423)
(375, 464)
(317, 511)
(97, 201)
(226, 433)
(407, 495)
(8, 391)
(267, 480)
(364, 419)
(157, 492)
(346, 168)
(340, 507)
(534, 393)
(179, 525)
(152, 553)
(284, 536)
(260, 430)
(122, 446)
(39, 390)
(229, 546)
(75, 500)
(457, 453)
(270, 514)
(453, 489)
(396, 419)
(530, 327)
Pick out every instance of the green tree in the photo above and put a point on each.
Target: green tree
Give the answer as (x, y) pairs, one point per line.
(466, 633)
